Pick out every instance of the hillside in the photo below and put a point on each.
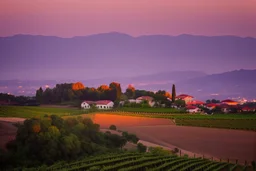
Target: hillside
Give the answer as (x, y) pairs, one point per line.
(137, 161)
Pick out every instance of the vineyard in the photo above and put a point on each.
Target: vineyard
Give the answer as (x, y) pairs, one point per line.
(143, 162)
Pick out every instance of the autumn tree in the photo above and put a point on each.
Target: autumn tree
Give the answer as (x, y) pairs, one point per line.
(130, 92)
(78, 86)
(173, 93)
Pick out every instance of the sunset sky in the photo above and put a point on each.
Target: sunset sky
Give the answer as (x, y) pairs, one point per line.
(68, 18)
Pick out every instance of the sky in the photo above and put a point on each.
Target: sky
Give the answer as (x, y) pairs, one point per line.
(68, 18)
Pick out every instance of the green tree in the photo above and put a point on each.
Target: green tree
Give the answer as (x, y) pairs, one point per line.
(141, 148)
(180, 103)
(112, 127)
(116, 91)
(71, 94)
(173, 93)
(130, 92)
(39, 95)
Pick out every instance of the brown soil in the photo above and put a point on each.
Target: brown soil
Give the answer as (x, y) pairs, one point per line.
(210, 142)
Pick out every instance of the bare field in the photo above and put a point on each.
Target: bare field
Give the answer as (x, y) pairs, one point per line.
(211, 142)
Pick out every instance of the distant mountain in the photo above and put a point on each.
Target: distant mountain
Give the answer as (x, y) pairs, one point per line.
(239, 83)
(120, 55)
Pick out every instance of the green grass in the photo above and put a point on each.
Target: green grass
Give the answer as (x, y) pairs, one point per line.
(150, 110)
(180, 115)
(36, 111)
(245, 124)
(140, 161)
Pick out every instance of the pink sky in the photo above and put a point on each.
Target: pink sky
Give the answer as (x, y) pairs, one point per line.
(67, 18)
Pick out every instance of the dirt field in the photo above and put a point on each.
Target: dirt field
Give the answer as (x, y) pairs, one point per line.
(105, 120)
(211, 142)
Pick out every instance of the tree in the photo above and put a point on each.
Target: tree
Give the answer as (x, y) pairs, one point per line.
(180, 103)
(71, 94)
(141, 148)
(173, 93)
(112, 127)
(130, 92)
(39, 95)
(78, 86)
(115, 91)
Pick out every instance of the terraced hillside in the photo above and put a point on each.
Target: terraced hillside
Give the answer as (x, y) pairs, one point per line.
(143, 162)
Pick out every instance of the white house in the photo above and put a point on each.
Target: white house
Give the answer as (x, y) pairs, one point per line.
(101, 104)
(193, 109)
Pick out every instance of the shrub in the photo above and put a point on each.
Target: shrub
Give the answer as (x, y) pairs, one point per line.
(141, 148)
(112, 127)
(175, 150)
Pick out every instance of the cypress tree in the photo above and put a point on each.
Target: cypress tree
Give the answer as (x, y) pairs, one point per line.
(173, 93)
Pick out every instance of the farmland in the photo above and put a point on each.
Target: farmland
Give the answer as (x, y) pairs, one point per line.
(143, 161)
(219, 143)
(36, 111)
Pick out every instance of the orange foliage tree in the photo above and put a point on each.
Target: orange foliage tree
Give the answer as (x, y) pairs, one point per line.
(78, 86)
(103, 88)
(36, 128)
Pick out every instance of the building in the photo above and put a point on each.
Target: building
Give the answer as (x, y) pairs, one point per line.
(146, 98)
(229, 102)
(193, 109)
(211, 106)
(101, 104)
(185, 97)
(195, 102)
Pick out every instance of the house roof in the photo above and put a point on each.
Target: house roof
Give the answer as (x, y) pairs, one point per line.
(182, 96)
(227, 101)
(246, 108)
(195, 102)
(212, 105)
(191, 107)
(99, 102)
(148, 98)
(103, 102)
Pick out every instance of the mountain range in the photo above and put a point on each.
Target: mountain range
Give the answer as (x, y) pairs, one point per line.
(120, 55)
(204, 66)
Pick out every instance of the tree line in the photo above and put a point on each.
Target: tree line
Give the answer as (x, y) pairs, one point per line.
(78, 92)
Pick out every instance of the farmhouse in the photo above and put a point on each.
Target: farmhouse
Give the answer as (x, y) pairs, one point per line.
(101, 104)
(195, 102)
(211, 105)
(229, 102)
(193, 109)
(147, 98)
(185, 97)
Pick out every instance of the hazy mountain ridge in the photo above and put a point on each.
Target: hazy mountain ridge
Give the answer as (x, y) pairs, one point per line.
(120, 55)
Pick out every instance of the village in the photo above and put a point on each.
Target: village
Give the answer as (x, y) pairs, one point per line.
(191, 105)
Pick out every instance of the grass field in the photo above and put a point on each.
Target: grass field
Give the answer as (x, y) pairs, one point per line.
(151, 110)
(137, 161)
(36, 111)
(230, 121)
(245, 124)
